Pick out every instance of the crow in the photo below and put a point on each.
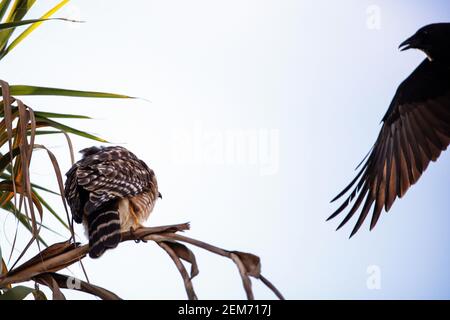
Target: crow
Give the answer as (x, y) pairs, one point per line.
(415, 130)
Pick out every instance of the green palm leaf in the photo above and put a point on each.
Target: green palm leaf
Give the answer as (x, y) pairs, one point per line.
(27, 4)
(18, 10)
(3, 7)
(59, 115)
(12, 25)
(68, 129)
(16, 293)
(24, 90)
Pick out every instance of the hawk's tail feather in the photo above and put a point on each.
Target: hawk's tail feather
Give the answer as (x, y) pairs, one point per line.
(104, 230)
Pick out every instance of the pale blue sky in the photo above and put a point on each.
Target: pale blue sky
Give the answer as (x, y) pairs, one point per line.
(306, 84)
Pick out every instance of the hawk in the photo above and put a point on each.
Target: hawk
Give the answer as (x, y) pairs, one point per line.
(110, 190)
(415, 131)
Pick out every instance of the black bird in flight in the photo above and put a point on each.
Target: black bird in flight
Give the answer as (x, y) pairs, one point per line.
(415, 130)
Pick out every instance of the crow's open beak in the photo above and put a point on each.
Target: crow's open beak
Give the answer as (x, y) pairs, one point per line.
(410, 43)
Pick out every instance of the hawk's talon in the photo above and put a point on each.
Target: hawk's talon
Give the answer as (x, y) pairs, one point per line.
(133, 235)
(136, 239)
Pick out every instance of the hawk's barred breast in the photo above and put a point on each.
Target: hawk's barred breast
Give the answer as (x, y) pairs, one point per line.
(110, 190)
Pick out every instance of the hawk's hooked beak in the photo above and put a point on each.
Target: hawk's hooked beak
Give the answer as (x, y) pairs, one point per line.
(411, 43)
(159, 195)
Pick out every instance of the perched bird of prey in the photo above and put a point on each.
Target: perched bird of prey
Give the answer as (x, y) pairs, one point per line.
(415, 130)
(110, 190)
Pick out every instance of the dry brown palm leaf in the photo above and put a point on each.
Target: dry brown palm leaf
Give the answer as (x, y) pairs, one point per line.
(48, 280)
(66, 282)
(17, 138)
(175, 255)
(61, 255)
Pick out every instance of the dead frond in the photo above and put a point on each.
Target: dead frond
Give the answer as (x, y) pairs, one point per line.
(43, 267)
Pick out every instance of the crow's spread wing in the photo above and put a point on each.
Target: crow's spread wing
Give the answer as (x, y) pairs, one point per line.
(416, 129)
